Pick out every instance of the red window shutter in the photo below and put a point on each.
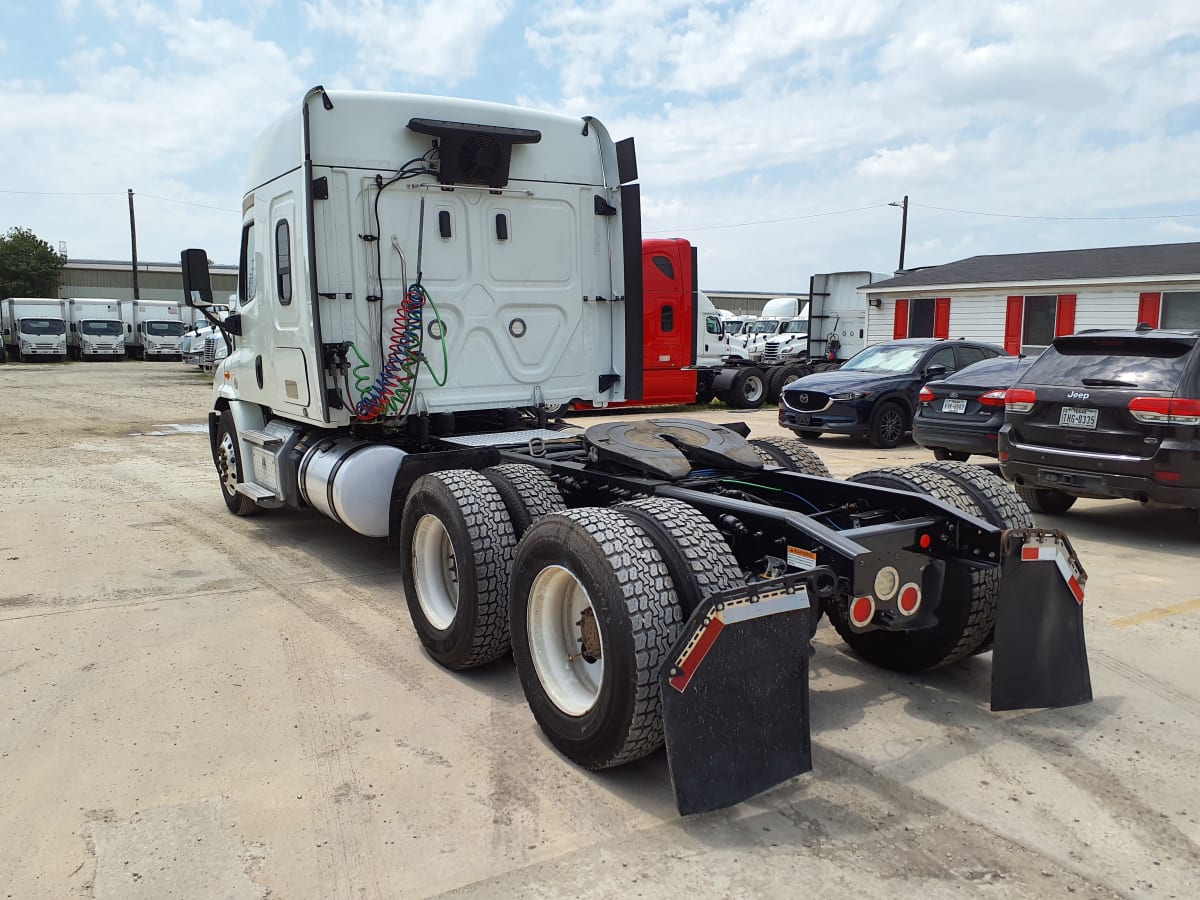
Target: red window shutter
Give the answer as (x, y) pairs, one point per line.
(900, 329)
(1149, 308)
(1064, 320)
(941, 317)
(1012, 325)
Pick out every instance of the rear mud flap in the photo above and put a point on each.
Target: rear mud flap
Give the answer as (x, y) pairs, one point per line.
(735, 692)
(1040, 657)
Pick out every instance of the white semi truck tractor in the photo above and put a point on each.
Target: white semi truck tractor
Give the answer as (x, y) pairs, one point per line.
(420, 279)
(95, 329)
(34, 328)
(153, 328)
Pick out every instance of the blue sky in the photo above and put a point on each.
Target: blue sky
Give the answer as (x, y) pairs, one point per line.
(759, 123)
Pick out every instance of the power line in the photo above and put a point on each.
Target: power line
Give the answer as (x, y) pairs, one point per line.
(188, 203)
(116, 194)
(974, 212)
(836, 212)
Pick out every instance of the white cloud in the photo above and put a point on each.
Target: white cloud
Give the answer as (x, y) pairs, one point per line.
(429, 40)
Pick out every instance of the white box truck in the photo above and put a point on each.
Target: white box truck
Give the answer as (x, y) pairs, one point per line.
(35, 328)
(153, 328)
(420, 278)
(95, 329)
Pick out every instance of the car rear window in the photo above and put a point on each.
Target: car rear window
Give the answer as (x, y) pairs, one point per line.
(1151, 364)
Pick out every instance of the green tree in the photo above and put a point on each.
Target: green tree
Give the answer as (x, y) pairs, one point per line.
(29, 266)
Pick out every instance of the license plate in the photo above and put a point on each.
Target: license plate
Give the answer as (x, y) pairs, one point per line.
(1074, 417)
(803, 418)
(954, 406)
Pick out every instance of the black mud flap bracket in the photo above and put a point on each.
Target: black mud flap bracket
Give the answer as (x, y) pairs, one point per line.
(1040, 657)
(735, 692)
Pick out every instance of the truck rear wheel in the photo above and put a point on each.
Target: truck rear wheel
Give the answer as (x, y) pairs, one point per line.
(780, 377)
(964, 622)
(527, 491)
(456, 545)
(593, 615)
(998, 501)
(227, 459)
(792, 455)
(747, 390)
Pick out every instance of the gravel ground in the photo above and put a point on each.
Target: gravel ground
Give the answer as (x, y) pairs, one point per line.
(195, 705)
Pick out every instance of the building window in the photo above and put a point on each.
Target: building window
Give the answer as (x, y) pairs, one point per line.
(920, 317)
(1180, 309)
(1037, 328)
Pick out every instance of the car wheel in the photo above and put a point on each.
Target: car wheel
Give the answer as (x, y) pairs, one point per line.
(1046, 500)
(888, 425)
(953, 455)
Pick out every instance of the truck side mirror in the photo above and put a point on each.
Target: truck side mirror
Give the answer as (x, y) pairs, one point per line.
(197, 286)
(233, 324)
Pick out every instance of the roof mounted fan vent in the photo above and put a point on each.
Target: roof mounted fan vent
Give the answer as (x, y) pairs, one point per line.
(474, 154)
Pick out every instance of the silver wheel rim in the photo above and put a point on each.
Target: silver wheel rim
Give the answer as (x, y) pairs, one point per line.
(435, 572)
(754, 389)
(227, 464)
(558, 604)
(890, 426)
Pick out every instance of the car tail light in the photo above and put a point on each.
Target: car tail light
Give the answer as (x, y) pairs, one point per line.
(1165, 411)
(926, 395)
(993, 398)
(1019, 400)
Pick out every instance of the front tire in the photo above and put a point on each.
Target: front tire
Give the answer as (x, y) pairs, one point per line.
(456, 545)
(888, 425)
(593, 616)
(228, 459)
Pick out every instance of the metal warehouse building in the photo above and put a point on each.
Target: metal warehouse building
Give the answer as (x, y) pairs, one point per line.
(1024, 300)
(113, 279)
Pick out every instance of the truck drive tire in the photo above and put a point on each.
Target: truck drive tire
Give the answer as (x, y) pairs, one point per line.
(1046, 500)
(227, 459)
(780, 377)
(593, 616)
(964, 622)
(528, 493)
(888, 425)
(792, 455)
(747, 390)
(456, 546)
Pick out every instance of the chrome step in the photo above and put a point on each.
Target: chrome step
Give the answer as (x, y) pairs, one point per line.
(255, 491)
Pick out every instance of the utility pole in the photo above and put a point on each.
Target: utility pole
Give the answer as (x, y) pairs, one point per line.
(133, 241)
(903, 227)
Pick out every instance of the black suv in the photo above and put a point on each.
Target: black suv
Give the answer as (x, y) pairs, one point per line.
(874, 394)
(1107, 414)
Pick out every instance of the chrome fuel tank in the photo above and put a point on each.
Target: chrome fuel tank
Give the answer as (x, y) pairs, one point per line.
(350, 481)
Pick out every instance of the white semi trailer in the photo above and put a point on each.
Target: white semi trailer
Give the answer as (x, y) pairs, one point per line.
(153, 328)
(34, 328)
(419, 273)
(95, 329)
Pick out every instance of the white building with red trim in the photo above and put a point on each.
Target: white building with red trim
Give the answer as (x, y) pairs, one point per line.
(1024, 300)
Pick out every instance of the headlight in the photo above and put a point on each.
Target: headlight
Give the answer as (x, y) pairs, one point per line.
(851, 395)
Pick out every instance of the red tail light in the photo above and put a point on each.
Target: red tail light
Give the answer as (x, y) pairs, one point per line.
(926, 395)
(1019, 400)
(993, 398)
(1165, 411)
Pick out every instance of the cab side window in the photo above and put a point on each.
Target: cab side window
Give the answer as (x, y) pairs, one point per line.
(246, 279)
(283, 262)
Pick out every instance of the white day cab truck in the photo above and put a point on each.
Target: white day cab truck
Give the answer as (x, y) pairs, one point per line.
(420, 278)
(95, 329)
(34, 329)
(153, 328)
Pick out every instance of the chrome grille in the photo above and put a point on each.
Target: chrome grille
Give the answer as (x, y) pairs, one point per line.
(210, 351)
(805, 401)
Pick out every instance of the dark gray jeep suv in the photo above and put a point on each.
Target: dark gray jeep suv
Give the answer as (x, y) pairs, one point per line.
(1107, 414)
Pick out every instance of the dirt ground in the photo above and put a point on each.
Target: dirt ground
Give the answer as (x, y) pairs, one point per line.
(194, 705)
